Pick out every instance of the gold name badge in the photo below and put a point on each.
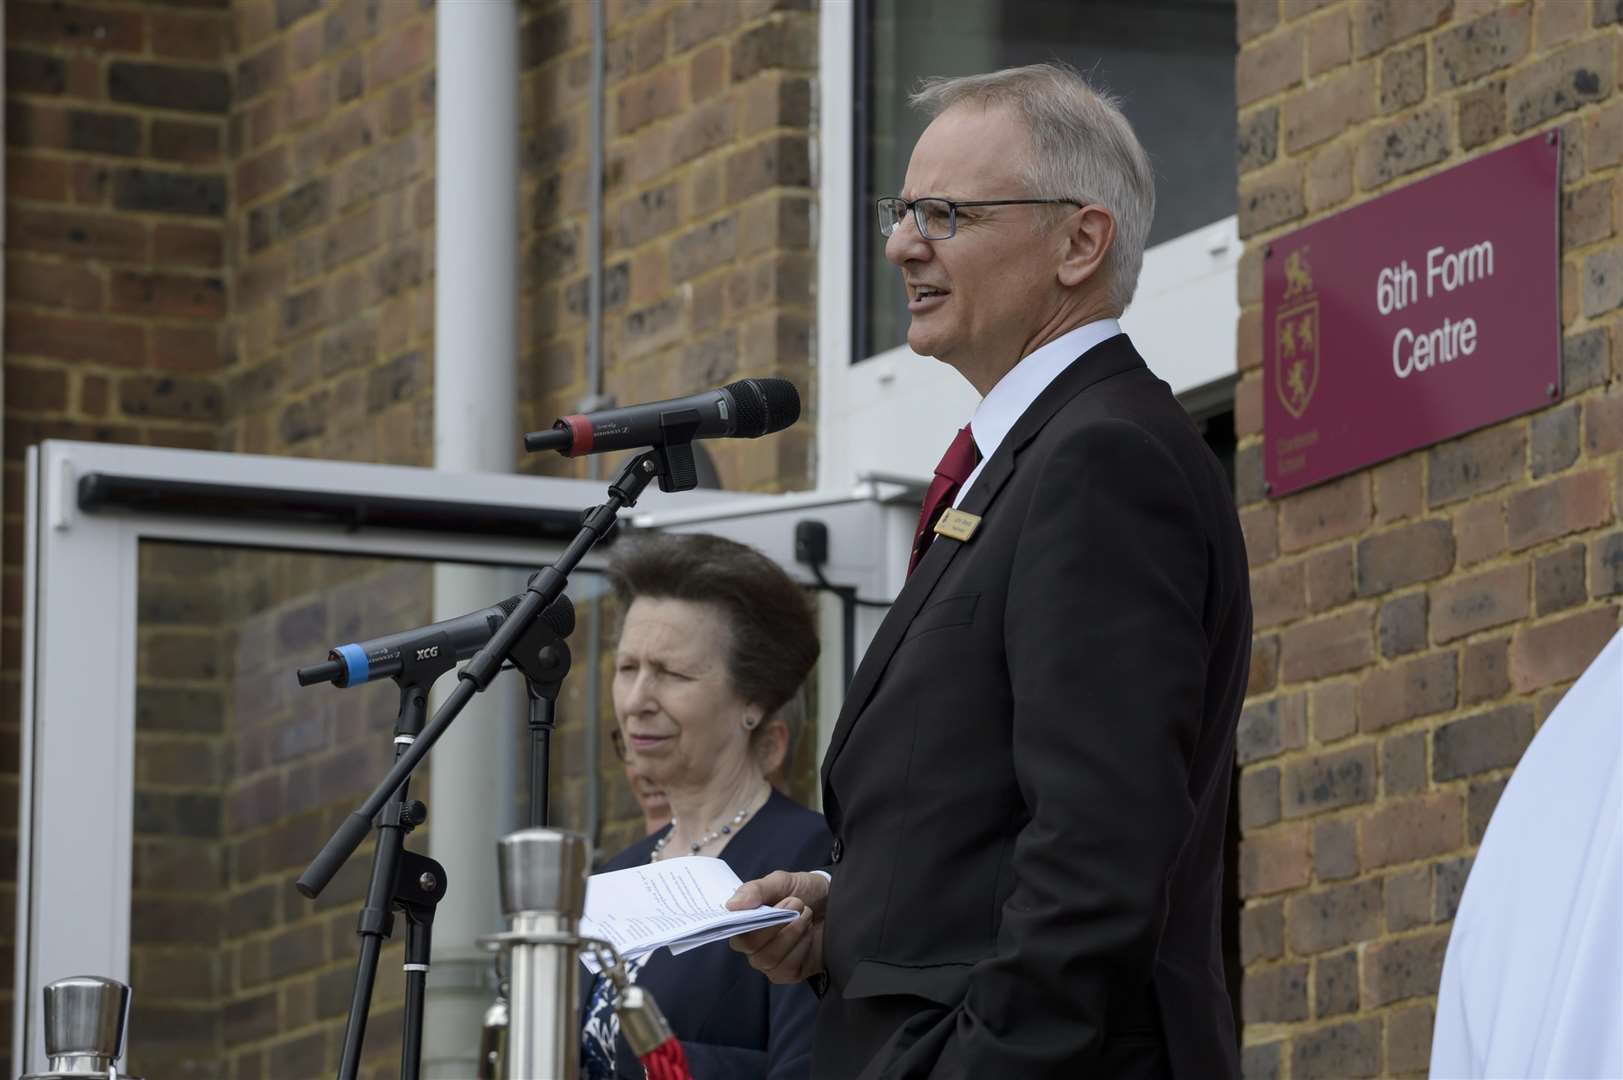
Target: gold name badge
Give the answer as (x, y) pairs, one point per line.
(958, 525)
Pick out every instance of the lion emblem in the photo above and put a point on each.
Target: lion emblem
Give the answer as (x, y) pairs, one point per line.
(1296, 351)
(1298, 274)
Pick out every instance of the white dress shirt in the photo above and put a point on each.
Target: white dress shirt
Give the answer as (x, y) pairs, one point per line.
(996, 415)
(1532, 985)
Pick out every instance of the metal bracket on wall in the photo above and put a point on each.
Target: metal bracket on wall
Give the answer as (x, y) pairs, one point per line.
(59, 498)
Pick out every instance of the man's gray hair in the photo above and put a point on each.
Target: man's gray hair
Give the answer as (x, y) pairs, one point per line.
(1082, 147)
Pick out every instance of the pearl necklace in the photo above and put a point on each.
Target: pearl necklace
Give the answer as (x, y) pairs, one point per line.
(714, 834)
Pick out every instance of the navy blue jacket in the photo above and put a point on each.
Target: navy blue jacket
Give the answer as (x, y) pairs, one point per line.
(733, 1023)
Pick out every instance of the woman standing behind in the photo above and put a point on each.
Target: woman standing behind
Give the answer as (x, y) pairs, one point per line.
(716, 638)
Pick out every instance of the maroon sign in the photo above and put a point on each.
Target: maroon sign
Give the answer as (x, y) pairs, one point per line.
(1414, 317)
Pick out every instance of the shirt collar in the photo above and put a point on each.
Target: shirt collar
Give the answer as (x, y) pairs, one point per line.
(1014, 393)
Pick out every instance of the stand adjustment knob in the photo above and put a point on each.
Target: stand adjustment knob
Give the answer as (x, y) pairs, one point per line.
(84, 1027)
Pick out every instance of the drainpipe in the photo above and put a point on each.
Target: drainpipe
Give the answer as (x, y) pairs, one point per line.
(472, 788)
(595, 400)
(2, 283)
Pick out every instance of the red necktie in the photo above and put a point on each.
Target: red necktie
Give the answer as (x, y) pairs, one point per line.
(956, 465)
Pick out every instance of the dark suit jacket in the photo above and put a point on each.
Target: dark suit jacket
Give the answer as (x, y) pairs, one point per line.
(1028, 782)
(732, 1022)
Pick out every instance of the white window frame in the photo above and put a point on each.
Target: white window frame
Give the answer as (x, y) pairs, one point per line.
(895, 411)
(78, 717)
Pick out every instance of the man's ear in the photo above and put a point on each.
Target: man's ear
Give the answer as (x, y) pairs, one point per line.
(1088, 236)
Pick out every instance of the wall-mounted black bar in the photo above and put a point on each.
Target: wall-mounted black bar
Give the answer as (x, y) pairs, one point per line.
(109, 492)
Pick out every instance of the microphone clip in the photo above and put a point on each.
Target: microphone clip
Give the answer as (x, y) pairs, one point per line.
(671, 463)
(678, 470)
(544, 659)
(672, 455)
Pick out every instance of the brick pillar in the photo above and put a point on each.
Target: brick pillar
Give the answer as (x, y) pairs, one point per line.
(182, 757)
(708, 217)
(331, 328)
(115, 205)
(332, 231)
(1415, 621)
(300, 760)
(221, 236)
(115, 291)
(707, 233)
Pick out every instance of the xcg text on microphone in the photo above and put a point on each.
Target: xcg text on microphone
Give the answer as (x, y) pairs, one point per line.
(450, 640)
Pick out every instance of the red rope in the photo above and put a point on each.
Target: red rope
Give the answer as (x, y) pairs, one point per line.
(666, 1061)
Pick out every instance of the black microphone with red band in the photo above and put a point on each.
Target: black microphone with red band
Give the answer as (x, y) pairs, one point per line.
(746, 409)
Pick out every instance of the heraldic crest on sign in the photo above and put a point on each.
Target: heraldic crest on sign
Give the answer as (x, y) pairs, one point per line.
(1296, 336)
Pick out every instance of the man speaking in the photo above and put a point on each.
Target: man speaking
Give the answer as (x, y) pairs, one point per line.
(1028, 781)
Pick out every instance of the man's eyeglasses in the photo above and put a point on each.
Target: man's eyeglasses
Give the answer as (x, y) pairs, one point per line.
(937, 219)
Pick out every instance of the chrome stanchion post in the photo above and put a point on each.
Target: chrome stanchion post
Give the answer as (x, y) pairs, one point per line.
(84, 1028)
(543, 892)
(493, 1037)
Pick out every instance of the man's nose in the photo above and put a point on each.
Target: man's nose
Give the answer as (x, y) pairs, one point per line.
(906, 244)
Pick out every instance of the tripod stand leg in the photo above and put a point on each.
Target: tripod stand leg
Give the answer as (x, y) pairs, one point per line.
(376, 923)
(419, 887)
(543, 718)
(377, 916)
(366, 970)
(544, 658)
(411, 1046)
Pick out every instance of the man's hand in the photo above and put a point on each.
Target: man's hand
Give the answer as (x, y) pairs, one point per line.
(791, 952)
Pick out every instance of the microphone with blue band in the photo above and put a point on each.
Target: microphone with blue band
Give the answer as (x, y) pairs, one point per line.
(459, 638)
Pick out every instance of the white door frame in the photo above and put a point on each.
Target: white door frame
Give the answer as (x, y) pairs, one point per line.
(79, 644)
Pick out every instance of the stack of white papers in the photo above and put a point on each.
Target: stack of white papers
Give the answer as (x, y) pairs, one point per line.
(676, 903)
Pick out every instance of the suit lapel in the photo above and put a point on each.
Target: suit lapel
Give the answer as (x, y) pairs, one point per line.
(1111, 357)
(920, 584)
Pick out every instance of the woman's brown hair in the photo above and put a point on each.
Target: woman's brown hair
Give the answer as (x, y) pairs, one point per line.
(773, 637)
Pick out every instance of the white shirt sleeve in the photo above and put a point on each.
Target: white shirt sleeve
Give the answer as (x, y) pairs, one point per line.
(1531, 984)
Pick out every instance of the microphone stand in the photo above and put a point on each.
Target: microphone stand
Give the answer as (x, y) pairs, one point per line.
(401, 879)
(553, 662)
(525, 639)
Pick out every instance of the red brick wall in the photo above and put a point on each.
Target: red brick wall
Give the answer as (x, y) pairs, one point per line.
(707, 223)
(116, 293)
(1415, 621)
(182, 758)
(220, 225)
(300, 760)
(331, 231)
(331, 332)
(115, 206)
(708, 216)
(221, 220)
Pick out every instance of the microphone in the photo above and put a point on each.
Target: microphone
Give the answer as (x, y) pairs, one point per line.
(461, 637)
(746, 409)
